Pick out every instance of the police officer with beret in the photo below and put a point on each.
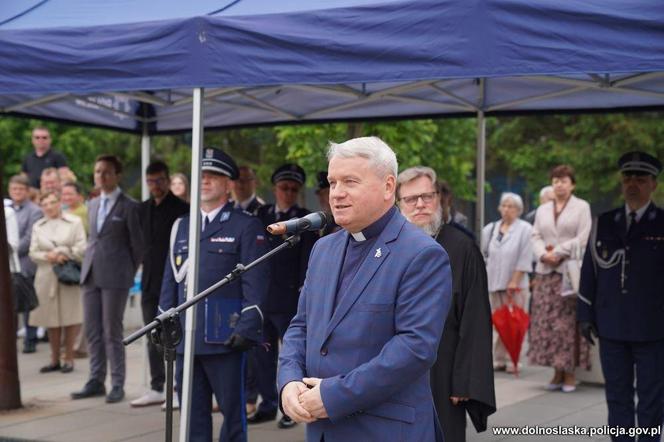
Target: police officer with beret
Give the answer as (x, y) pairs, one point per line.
(229, 321)
(621, 298)
(287, 276)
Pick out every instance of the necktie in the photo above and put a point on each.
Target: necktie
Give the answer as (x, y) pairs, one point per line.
(632, 222)
(206, 222)
(103, 211)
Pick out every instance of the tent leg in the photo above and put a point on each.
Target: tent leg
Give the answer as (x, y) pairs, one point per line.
(145, 160)
(480, 173)
(145, 194)
(192, 272)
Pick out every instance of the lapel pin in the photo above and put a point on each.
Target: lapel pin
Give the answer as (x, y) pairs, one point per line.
(378, 253)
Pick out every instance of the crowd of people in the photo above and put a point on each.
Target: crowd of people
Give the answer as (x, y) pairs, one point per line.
(252, 340)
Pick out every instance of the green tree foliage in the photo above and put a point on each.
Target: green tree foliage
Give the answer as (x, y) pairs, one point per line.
(529, 146)
(447, 145)
(525, 147)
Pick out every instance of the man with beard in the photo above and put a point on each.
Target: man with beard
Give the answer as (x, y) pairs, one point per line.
(462, 378)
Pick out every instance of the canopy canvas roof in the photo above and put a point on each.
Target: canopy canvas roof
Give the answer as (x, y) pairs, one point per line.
(130, 65)
(171, 66)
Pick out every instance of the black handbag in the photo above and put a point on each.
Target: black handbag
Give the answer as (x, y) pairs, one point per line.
(68, 273)
(25, 297)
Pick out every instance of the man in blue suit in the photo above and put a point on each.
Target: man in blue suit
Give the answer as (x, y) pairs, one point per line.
(355, 360)
(230, 320)
(621, 299)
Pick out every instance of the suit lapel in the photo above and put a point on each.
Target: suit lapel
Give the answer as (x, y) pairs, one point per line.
(336, 256)
(110, 213)
(645, 219)
(93, 210)
(217, 223)
(366, 272)
(621, 224)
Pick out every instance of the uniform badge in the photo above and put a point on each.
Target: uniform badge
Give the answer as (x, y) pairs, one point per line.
(225, 216)
(605, 253)
(209, 153)
(178, 260)
(378, 253)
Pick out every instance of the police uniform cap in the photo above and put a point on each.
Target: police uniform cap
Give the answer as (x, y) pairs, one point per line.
(217, 161)
(639, 163)
(323, 183)
(291, 172)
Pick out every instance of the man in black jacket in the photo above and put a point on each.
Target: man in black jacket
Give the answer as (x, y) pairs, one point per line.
(157, 216)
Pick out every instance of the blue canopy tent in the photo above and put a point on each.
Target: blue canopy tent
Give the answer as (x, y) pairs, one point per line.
(149, 68)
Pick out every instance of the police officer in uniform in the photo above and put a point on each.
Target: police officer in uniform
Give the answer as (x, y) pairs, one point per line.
(323, 194)
(245, 191)
(621, 298)
(229, 321)
(287, 276)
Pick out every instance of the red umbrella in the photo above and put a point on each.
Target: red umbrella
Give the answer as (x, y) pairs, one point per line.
(511, 323)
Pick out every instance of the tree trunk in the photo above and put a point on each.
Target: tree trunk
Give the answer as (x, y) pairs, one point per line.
(10, 390)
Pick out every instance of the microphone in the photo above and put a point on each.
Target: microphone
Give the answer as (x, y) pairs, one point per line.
(313, 221)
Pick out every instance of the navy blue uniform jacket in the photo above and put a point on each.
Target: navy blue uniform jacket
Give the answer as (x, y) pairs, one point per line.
(233, 237)
(626, 303)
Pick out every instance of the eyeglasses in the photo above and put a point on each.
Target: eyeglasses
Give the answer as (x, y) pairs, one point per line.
(155, 180)
(427, 198)
(39, 137)
(291, 189)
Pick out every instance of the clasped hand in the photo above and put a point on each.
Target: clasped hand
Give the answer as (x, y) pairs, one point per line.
(56, 258)
(302, 401)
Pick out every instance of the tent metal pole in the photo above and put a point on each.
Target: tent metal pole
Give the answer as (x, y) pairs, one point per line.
(480, 172)
(145, 194)
(192, 272)
(145, 160)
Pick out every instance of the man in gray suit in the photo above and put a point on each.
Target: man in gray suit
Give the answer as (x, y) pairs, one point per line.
(111, 259)
(27, 213)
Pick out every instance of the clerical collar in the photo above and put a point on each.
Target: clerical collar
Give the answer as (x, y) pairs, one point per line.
(374, 229)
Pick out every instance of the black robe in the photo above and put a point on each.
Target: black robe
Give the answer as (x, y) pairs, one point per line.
(464, 367)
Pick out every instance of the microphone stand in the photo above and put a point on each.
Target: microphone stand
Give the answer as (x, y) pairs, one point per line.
(166, 331)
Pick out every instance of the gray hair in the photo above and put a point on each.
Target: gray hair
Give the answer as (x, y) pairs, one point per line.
(545, 190)
(516, 199)
(413, 173)
(380, 155)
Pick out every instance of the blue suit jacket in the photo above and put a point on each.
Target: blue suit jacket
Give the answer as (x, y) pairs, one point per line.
(375, 350)
(233, 237)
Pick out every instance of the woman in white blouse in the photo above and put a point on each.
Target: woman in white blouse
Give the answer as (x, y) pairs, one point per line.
(560, 234)
(508, 253)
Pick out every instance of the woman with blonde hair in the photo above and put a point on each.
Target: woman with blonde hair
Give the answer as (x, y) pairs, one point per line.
(180, 186)
(57, 239)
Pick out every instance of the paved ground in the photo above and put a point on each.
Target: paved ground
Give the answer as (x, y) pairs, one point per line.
(49, 414)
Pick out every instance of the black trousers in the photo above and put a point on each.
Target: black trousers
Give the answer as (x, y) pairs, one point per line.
(150, 308)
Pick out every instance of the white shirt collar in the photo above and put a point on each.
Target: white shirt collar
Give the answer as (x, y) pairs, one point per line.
(211, 215)
(113, 196)
(244, 204)
(639, 213)
(278, 209)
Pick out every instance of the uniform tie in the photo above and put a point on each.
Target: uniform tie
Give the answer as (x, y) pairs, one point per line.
(206, 222)
(632, 222)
